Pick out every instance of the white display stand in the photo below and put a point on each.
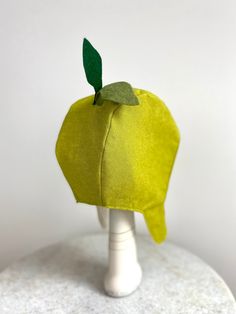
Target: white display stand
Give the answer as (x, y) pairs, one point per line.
(124, 272)
(67, 278)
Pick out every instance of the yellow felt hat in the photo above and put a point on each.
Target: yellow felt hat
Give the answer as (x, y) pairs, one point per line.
(120, 156)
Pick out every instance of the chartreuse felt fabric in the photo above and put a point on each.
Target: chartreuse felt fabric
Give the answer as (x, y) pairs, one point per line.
(120, 156)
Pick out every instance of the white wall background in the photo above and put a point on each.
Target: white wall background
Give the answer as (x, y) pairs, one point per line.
(184, 51)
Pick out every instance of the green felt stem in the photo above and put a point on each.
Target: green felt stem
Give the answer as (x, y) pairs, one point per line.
(92, 62)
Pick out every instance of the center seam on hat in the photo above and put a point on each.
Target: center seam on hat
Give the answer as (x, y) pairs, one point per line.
(103, 150)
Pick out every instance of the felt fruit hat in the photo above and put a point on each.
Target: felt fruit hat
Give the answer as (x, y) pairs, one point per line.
(117, 148)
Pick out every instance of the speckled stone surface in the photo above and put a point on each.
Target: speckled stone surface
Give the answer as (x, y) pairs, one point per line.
(68, 278)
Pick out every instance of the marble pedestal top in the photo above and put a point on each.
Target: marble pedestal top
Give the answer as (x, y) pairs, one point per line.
(68, 278)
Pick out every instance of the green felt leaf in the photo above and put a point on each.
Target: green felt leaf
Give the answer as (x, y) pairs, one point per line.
(92, 62)
(119, 92)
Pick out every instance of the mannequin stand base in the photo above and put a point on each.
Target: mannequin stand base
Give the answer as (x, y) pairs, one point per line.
(119, 286)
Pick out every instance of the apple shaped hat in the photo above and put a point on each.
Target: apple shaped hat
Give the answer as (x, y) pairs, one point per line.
(117, 147)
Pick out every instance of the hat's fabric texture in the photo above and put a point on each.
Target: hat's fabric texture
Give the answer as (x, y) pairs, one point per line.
(120, 156)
